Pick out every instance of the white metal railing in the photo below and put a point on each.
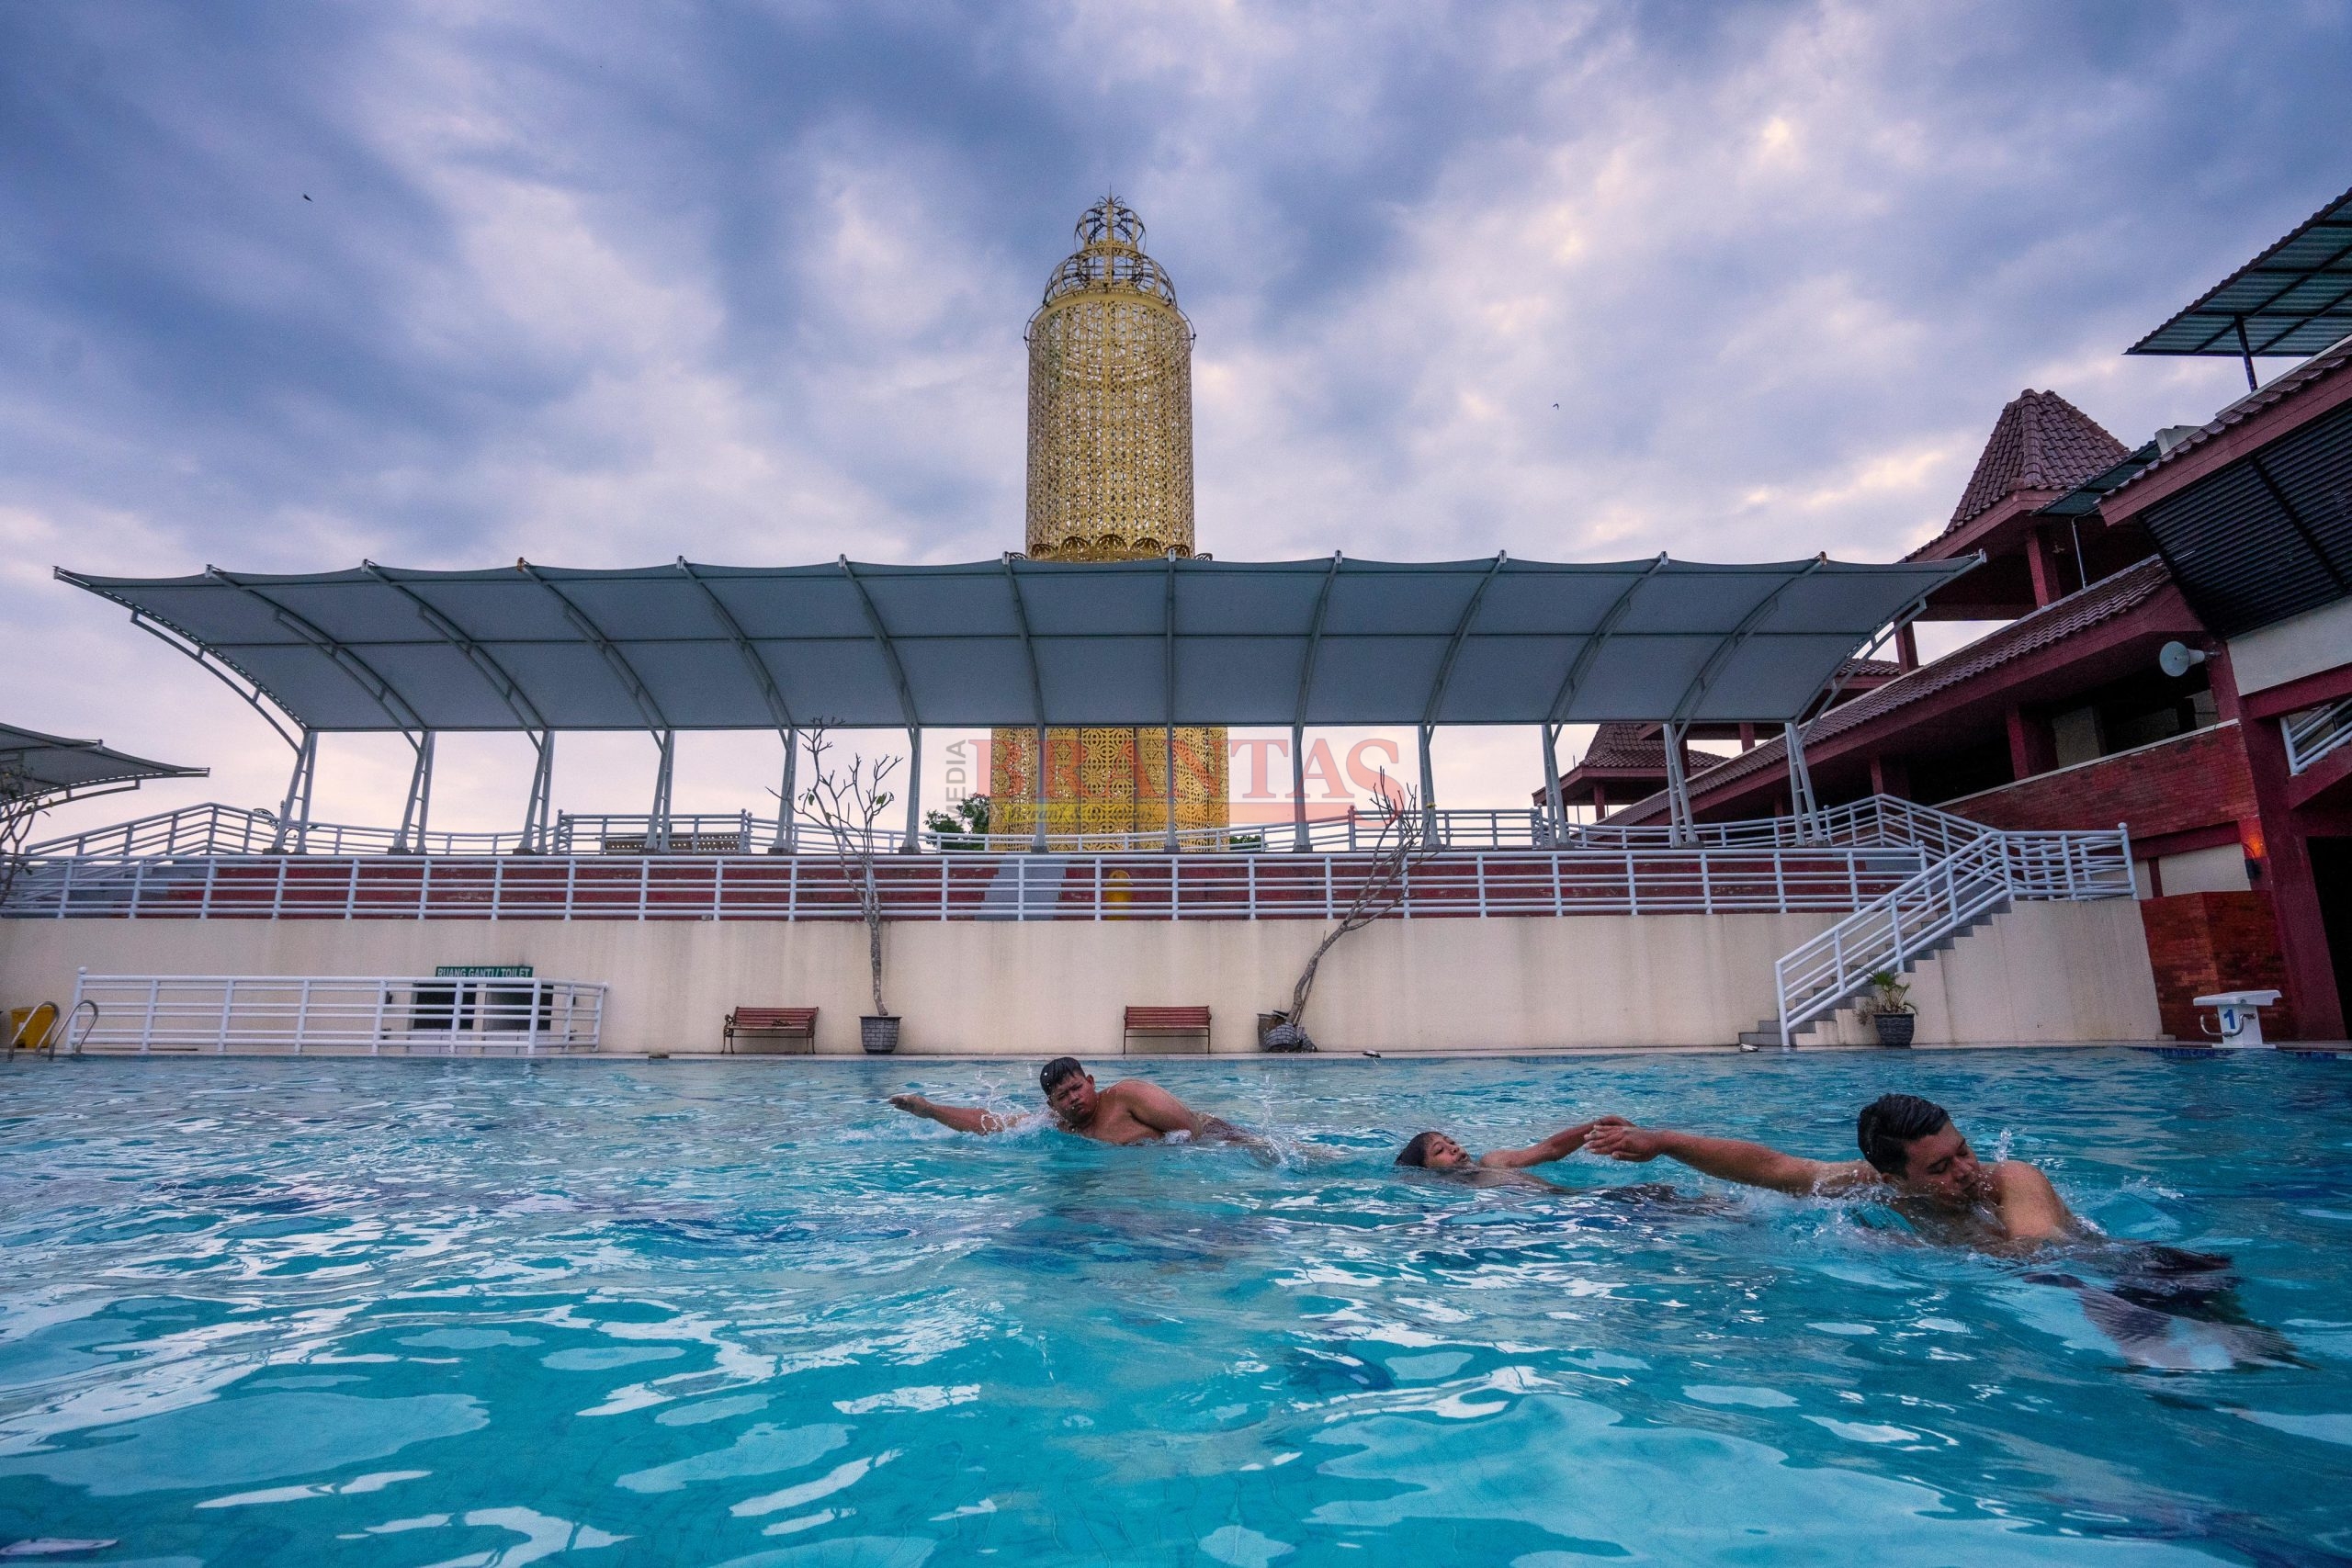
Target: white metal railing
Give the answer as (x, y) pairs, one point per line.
(1889, 932)
(1874, 819)
(381, 1015)
(951, 887)
(216, 829)
(2316, 732)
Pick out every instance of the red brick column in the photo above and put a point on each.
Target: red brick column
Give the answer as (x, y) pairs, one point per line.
(2282, 866)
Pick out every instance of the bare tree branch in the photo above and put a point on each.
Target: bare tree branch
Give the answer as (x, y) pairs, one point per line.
(21, 800)
(1398, 848)
(847, 804)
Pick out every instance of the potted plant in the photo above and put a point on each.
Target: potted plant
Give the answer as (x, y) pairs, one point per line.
(848, 804)
(1889, 1009)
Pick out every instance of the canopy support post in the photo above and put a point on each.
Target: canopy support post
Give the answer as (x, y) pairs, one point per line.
(2246, 355)
(535, 813)
(1037, 794)
(1299, 837)
(1429, 790)
(657, 837)
(1553, 807)
(911, 842)
(418, 803)
(1168, 736)
(1801, 800)
(787, 822)
(1677, 787)
(294, 812)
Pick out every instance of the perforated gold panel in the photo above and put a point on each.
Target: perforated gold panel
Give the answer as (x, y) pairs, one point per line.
(1110, 402)
(1110, 479)
(1107, 784)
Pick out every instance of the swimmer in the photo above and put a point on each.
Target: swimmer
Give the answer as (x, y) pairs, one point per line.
(1912, 1157)
(1129, 1112)
(1495, 1168)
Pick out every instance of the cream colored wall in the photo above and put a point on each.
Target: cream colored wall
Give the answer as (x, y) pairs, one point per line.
(2040, 973)
(2299, 646)
(1020, 989)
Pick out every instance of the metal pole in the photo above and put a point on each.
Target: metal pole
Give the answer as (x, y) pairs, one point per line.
(294, 812)
(1168, 767)
(1552, 805)
(912, 843)
(1677, 786)
(1429, 790)
(787, 812)
(535, 814)
(2245, 353)
(1801, 801)
(1298, 788)
(657, 836)
(414, 811)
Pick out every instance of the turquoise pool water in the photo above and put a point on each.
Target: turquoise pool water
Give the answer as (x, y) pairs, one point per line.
(413, 1312)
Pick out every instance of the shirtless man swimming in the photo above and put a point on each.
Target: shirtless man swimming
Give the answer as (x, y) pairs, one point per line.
(1495, 1168)
(1912, 1155)
(1129, 1112)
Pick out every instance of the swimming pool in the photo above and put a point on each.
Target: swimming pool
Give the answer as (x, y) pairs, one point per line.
(484, 1312)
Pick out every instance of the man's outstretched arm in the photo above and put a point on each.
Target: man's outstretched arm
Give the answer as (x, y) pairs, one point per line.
(1559, 1145)
(963, 1118)
(1727, 1159)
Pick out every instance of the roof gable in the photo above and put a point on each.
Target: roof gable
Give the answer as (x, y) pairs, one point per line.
(2041, 442)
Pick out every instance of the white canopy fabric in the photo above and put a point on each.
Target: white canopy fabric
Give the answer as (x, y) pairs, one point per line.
(1019, 642)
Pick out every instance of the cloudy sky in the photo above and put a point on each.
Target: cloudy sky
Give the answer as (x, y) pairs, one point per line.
(283, 286)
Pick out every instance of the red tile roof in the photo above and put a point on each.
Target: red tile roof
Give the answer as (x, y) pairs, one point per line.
(2077, 613)
(1640, 747)
(2040, 442)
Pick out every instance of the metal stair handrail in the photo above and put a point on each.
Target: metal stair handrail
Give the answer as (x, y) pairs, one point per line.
(1992, 869)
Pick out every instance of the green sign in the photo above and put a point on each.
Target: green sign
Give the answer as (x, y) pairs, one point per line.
(481, 970)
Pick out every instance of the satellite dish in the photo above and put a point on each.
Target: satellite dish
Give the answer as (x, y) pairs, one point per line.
(2177, 659)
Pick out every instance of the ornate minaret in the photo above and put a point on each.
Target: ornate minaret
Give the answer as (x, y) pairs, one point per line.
(1110, 479)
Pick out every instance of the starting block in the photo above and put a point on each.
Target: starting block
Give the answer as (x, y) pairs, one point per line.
(2238, 1015)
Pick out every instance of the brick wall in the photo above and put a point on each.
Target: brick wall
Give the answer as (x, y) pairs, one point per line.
(2192, 781)
(2202, 942)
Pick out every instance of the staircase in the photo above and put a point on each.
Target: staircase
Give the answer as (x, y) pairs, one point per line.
(1841, 1025)
(1926, 914)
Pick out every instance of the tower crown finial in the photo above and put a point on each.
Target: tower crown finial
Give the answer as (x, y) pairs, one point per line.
(1109, 256)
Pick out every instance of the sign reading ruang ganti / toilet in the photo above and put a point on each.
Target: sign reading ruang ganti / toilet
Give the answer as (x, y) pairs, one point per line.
(481, 970)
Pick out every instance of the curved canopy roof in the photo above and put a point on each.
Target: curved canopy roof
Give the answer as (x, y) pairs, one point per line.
(51, 764)
(2295, 298)
(1019, 642)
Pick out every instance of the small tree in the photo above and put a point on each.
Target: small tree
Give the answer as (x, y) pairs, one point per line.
(847, 803)
(963, 826)
(21, 800)
(1396, 848)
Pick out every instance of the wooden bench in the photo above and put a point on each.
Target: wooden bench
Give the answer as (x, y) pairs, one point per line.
(1166, 1031)
(784, 1032)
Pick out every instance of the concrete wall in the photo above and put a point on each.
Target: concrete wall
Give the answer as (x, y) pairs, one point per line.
(1016, 988)
(2038, 974)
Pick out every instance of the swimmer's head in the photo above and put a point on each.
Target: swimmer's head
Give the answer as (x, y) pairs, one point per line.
(1433, 1151)
(1914, 1141)
(1069, 1089)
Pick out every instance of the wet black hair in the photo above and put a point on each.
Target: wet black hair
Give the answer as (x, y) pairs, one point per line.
(1417, 1151)
(1890, 1124)
(1060, 1067)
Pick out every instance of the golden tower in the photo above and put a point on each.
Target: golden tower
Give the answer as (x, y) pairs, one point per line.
(1110, 479)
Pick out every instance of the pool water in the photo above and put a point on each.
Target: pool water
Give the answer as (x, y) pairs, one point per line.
(488, 1313)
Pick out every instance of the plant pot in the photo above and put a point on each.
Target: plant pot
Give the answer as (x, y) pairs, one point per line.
(878, 1035)
(1895, 1028)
